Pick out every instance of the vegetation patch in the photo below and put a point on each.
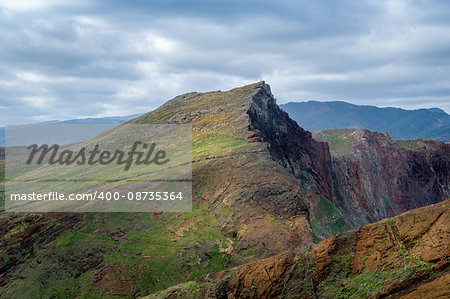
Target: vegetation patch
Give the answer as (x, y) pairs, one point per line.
(340, 141)
(327, 220)
(340, 284)
(408, 144)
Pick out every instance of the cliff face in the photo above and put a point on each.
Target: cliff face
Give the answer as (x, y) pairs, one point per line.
(376, 177)
(289, 144)
(401, 257)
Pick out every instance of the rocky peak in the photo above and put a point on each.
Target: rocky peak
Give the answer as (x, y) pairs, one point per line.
(289, 144)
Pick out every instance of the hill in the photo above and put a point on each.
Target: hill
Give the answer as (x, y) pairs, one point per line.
(262, 186)
(247, 205)
(431, 123)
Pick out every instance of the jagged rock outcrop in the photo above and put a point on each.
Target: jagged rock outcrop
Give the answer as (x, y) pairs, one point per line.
(405, 256)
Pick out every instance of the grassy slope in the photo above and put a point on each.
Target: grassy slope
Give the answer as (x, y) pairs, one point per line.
(340, 141)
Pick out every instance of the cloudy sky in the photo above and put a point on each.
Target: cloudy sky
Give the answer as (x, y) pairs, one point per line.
(72, 59)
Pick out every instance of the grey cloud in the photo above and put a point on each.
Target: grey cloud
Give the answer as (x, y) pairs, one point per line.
(113, 57)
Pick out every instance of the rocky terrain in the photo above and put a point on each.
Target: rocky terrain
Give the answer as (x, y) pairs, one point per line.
(402, 257)
(376, 177)
(262, 188)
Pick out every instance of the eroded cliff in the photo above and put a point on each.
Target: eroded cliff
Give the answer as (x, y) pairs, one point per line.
(376, 177)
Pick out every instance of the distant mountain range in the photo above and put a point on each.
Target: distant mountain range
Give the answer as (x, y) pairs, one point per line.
(99, 120)
(431, 123)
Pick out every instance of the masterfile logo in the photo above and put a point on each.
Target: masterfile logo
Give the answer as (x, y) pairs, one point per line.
(95, 156)
(98, 168)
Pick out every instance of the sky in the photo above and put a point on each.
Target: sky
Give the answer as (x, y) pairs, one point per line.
(75, 59)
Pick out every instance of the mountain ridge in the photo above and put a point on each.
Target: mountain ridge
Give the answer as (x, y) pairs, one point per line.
(433, 109)
(432, 123)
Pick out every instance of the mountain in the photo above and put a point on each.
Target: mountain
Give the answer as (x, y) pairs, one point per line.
(401, 257)
(431, 123)
(247, 205)
(262, 186)
(101, 120)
